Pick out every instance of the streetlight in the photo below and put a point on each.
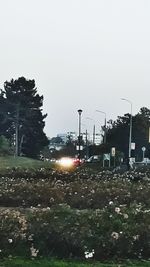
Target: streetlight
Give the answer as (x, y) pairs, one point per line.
(104, 124)
(130, 132)
(79, 140)
(88, 118)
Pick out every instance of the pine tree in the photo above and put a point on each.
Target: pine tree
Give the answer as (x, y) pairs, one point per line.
(22, 116)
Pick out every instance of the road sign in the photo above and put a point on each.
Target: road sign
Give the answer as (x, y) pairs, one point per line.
(133, 146)
(113, 151)
(77, 147)
(143, 148)
(106, 157)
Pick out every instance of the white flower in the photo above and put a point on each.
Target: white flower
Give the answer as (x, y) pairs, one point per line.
(136, 237)
(34, 251)
(125, 216)
(115, 235)
(89, 254)
(51, 199)
(111, 202)
(10, 240)
(30, 238)
(117, 210)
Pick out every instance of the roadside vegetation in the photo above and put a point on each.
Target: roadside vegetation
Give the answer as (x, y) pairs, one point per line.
(61, 263)
(87, 216)
(97, 216)
(8, 162)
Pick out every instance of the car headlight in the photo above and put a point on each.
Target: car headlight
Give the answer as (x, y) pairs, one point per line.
(66, 162)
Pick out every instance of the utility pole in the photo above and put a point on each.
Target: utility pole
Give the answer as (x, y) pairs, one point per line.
(86, 143)
(79, 139)
(105, 127)
(94, 134)
(130, 130)
(88, 118)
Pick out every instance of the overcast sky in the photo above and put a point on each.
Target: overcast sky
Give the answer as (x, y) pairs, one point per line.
(82, 54)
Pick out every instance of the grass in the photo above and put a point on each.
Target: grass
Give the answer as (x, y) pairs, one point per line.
(21, 162)
(60, 263)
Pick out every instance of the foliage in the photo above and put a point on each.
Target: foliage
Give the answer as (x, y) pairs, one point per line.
(104, 216)
(56, 140)
(22, 116)
(110, 233)
(78, 189)
(21, 262)
(11, 163)
(4, 146)
(118, 132)
(69, 149)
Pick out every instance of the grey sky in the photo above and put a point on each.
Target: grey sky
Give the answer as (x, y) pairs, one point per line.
(82, 54)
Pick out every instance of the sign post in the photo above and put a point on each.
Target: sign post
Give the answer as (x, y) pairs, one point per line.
(143, 149)
(106, 157)
(113, 154)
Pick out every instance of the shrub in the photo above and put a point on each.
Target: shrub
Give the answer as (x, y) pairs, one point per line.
(114, 232)
(4, 146)
(101, 215)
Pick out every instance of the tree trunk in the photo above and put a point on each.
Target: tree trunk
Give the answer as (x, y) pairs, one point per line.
(17, 133)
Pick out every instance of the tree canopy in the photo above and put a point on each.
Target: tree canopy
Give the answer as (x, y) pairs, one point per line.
(21, 116)
(118, 132)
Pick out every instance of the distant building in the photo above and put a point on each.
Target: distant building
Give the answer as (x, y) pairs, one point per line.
(98, 139)
(85, 136)
(72, 136)
(63, 136)
(59, 142)
(66, 136)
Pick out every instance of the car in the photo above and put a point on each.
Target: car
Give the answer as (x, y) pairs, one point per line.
(77, 161)
(69, 162)
(94, 158)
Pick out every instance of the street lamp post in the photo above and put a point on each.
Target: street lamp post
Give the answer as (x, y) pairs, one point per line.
(130, 131)
(104, 124)
(79, 140)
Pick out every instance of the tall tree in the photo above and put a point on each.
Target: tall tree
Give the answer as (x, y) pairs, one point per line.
(22, 116)
(118, 132)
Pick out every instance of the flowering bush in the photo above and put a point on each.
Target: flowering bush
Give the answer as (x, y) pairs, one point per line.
(79, 214)
(66, 232)
(78, 189)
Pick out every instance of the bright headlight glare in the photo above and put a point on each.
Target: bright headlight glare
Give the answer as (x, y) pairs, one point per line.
(66, 162)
